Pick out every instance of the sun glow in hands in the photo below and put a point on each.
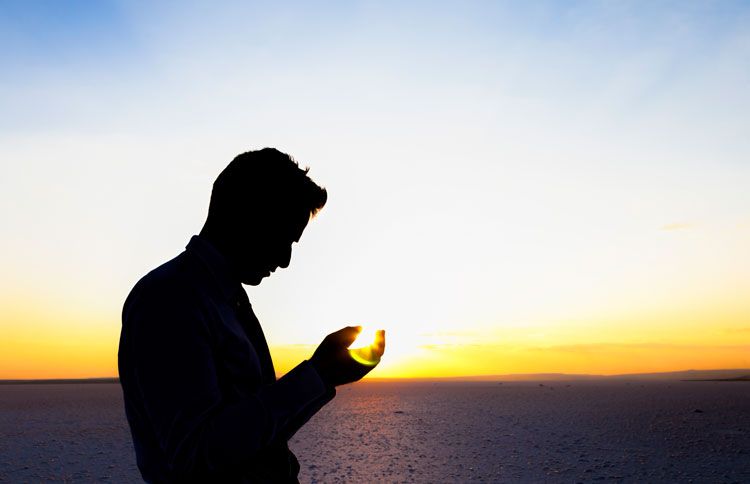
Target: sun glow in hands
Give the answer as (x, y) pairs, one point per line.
(368, 347)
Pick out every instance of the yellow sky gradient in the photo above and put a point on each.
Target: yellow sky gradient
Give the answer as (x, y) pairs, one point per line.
(38, 343)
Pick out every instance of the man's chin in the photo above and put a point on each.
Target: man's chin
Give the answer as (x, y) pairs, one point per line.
(253, 280)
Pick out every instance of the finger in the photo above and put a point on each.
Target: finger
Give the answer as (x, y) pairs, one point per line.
(379, 345)
(346, 336)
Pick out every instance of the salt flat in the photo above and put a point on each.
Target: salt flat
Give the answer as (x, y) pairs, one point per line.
(426, 432)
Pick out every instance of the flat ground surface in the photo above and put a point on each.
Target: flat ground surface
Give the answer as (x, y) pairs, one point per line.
(426, 432)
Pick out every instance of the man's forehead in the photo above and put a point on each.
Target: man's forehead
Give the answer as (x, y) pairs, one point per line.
(300, 225)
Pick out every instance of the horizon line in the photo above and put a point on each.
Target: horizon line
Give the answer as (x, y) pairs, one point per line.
(540, 376)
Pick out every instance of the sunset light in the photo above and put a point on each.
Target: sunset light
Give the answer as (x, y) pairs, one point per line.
(364, 348)
(424, 241)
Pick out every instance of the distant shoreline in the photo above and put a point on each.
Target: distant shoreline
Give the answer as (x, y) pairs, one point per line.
(729, 375)
(50, 381)
(742, 378)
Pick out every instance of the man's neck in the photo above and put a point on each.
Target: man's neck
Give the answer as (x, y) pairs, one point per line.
(221, 245)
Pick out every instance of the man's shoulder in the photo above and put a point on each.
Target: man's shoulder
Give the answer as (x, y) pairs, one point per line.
(166, 275)
(174, 279)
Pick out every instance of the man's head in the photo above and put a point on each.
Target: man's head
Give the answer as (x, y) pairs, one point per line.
(260, 205)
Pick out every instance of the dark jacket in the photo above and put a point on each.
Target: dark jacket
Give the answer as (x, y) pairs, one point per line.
(200, 391)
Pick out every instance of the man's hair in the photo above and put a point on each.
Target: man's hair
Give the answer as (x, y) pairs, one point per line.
(267, 180)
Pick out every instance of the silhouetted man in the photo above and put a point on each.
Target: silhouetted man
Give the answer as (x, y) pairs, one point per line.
(201, 395)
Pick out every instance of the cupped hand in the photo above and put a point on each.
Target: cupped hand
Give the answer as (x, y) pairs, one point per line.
(334, 362)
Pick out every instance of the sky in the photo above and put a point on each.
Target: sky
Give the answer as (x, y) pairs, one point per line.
(514, 187)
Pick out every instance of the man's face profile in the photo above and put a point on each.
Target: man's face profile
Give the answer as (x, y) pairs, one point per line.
(265, 244)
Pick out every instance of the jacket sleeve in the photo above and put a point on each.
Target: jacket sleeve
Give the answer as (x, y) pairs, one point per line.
(199, 432)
